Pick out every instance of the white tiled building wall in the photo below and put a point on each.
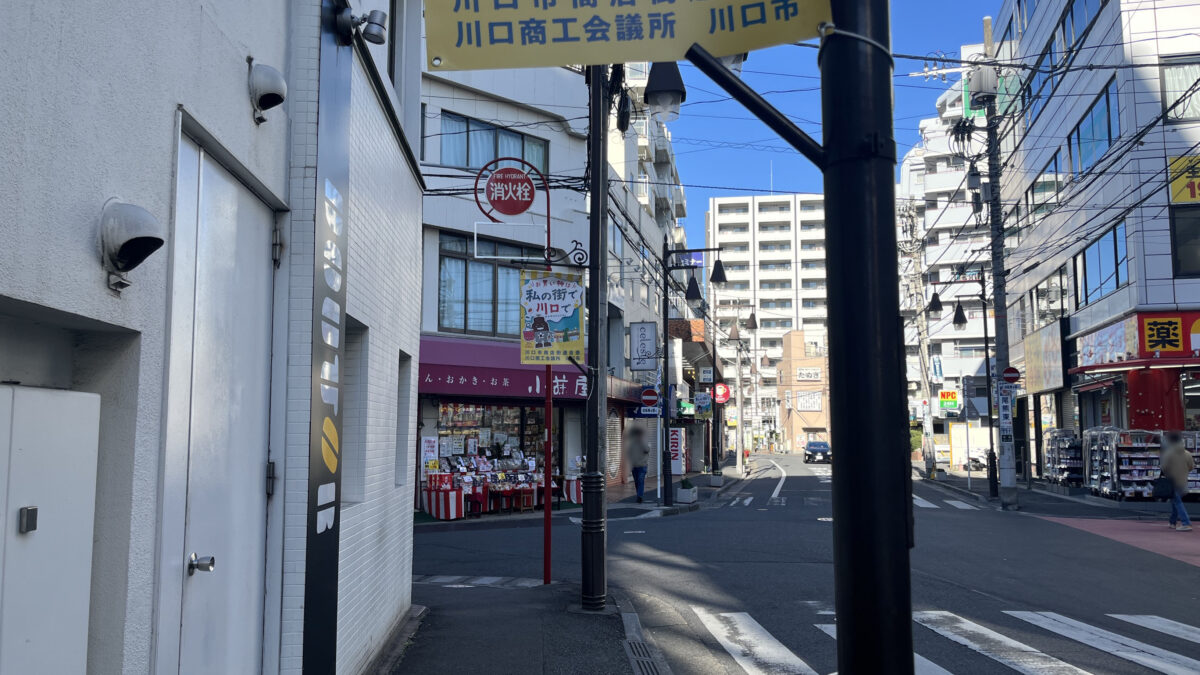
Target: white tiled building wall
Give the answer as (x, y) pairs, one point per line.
(774, 259)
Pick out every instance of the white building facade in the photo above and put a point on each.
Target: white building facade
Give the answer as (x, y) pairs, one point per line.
(242, 403)
(1100, 147)
(944, 239)
(773, 252)
(472, 267)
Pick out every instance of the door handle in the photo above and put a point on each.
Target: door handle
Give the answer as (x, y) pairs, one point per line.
(198, 564)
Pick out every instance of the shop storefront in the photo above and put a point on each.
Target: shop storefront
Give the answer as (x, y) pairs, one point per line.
(482, 431)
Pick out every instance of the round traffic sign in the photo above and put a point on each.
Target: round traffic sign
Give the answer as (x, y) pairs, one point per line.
(1010, 374)
(649, 398)
(721, 393)
(510, 191)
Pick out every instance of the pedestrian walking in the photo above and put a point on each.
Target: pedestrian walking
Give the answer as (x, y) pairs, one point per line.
(639, 456)
(1177, 463)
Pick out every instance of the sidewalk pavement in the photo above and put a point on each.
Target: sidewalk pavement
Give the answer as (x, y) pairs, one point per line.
(482, 629)
(1041, 494)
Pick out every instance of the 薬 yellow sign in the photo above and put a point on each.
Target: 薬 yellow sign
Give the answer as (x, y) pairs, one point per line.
(1185, 179)
(480, 34)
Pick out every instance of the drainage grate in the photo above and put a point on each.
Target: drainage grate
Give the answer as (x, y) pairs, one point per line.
(641, 659)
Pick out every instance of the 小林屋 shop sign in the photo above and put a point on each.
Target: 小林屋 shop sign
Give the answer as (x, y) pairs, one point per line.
(470, 381)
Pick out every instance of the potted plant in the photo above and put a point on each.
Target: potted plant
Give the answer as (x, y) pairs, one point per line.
(686, 493)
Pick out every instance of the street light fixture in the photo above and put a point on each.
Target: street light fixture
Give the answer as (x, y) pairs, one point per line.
(935, 303)
(752, 322)
(665, 91)
(717, 278)
(693, 295)
(960, 318)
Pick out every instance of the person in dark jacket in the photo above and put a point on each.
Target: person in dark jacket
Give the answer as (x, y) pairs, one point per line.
(1177, 463)
(639, 457)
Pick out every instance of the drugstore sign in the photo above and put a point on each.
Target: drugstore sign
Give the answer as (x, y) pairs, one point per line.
(480, 34)
(1185, 179)
(1168, 334)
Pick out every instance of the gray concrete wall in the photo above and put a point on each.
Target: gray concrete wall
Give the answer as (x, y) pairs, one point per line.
(89, 100)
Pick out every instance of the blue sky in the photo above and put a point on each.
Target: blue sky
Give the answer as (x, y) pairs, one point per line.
(788, 77)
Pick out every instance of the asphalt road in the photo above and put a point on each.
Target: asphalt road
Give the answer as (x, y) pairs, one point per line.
(746, 583)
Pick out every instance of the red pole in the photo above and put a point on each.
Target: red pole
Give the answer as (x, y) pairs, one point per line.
(547, 491)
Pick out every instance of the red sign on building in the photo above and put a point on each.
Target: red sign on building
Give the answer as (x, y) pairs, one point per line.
(510, 191)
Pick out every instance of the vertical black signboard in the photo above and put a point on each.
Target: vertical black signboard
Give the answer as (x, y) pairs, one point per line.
(329, 316)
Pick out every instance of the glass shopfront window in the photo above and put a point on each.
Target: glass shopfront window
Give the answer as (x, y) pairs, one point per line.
(477, 438)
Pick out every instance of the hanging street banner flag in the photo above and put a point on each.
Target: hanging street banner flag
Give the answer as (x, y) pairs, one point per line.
(643, 345)
(551, 318)
(480, 34)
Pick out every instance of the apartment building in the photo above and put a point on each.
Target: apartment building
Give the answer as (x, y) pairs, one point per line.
(944, 242)
(470, 337)
(1100, 143)
(773, 252)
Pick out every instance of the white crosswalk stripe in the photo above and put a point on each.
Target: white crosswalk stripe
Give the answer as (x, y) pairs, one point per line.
(924, 503)
(748, 500)
(1020, 657)
(750, 645)
(1173, 628)
(1117, 645)
(921, 665)
(960, 505)
(755, 650)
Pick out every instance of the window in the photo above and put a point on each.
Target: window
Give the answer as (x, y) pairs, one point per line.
(479, 296)
(469, 144)
(1095, 132)
(1178, 76)
(616, 239)
(775, 207)
(1185, 240)
(741, 247)
(1102, 267)
(770, 343)
(777, 303)
(775, 285)
(776, 266)
(1073, 25)
(775, 227)
(1049, 298)
(733, 208)
(775, 246)
(811, 284)
(810, 303)
(776, 323)
(738, 285)
(815, 245)
(1042, 196)
(733, 227)
(971, 352)
(812, 206)
(812, 225)
(812, 264)
(736, 267)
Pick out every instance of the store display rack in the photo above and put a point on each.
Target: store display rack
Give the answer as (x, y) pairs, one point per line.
(1064, 457)
(1098, 458)
(1191, 441)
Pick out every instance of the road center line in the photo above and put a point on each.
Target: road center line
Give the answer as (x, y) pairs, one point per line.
(781, 479)
(750, 645)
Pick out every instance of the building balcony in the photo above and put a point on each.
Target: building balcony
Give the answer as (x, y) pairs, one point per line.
(945, 181)
(680, 201)
(948, 217)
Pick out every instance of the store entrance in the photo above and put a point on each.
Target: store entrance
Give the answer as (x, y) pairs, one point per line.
(1021, 435)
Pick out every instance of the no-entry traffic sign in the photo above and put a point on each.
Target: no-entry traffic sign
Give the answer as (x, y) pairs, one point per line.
(1010, 375)
(649, 398)
(510, 191)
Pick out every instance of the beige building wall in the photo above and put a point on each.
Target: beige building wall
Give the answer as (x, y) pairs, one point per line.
(803, 391)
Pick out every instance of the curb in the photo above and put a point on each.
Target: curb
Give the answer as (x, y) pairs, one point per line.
(388, 660)
(644, 655)
(957, 490)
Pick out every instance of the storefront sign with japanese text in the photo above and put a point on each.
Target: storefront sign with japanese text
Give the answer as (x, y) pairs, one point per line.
(808, 374)
(808, 401)
(1044, 359)
(948, 399)
(551, 318)
(1168, 334)
(704, 406)
(1111, 344)
(480, 34)
(1185, 179)
(500, 382)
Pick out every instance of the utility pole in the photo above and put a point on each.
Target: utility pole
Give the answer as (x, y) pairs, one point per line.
(741, 405)
(593, 536)
(664, 397)
(916, 250)
(872, 535)
(1007, 459)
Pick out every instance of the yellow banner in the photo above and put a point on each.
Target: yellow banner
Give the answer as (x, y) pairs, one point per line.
(480, 34)
(1185, 179)
(551, 318)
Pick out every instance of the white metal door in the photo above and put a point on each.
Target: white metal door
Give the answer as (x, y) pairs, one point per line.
(222, 623)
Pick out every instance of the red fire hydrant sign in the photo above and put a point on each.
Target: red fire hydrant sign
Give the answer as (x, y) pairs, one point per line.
(510, 191)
